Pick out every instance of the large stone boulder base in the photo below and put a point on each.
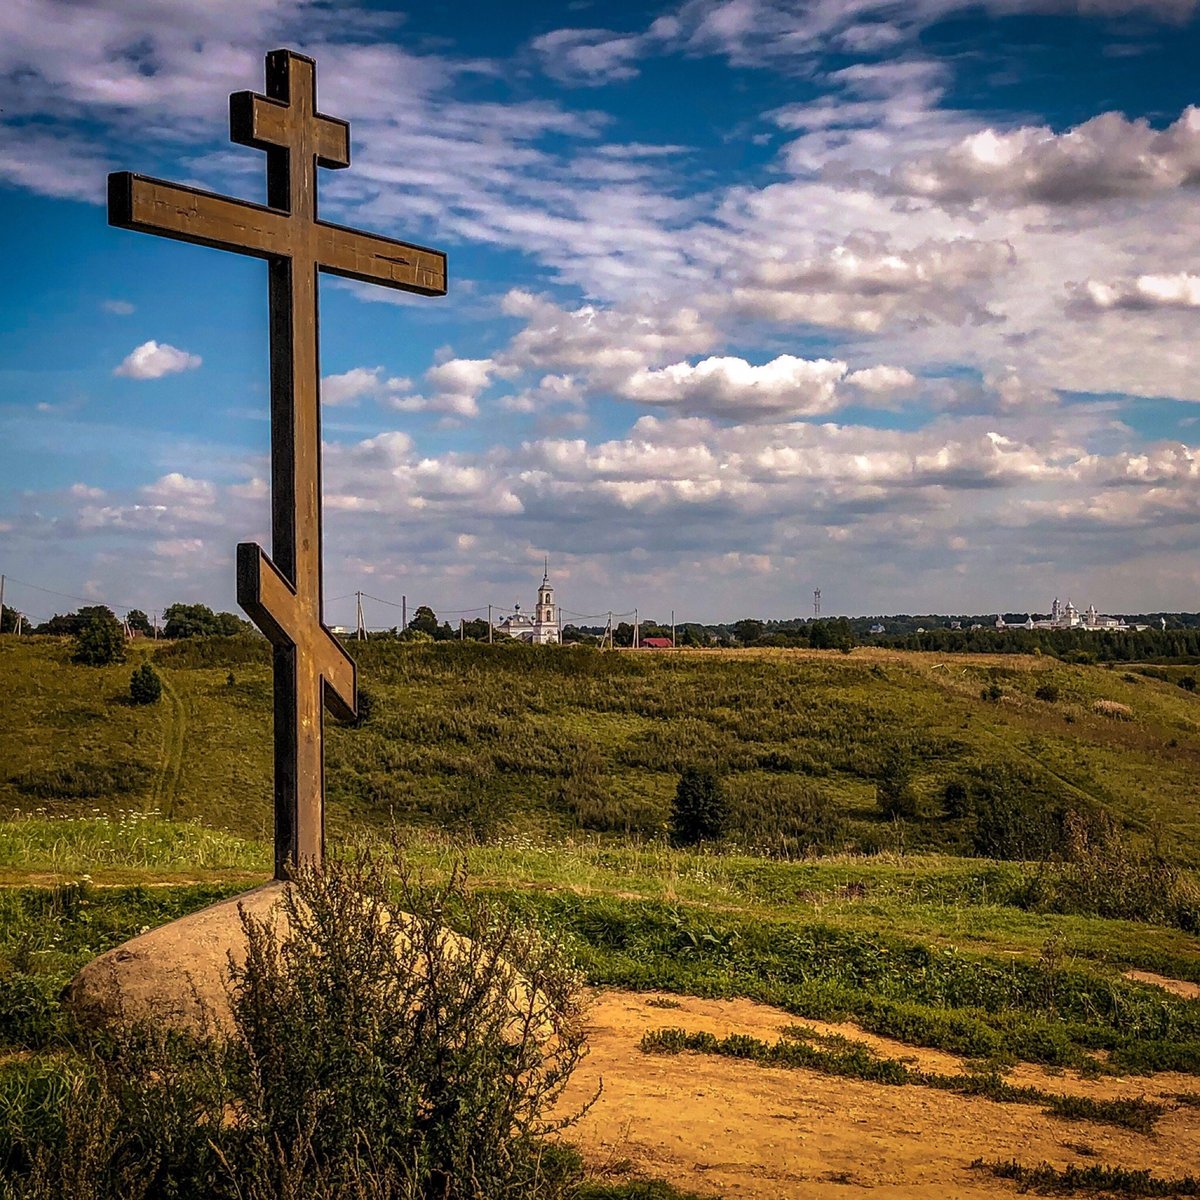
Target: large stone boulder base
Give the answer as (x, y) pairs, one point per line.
(175, 975)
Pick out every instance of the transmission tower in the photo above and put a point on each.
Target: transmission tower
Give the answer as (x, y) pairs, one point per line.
(816, 602)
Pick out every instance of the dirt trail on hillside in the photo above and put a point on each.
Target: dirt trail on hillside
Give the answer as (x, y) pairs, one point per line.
(729, 1128)
(1177, 987)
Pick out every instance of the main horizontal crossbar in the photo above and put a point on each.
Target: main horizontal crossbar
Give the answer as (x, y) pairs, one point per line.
(206, 219)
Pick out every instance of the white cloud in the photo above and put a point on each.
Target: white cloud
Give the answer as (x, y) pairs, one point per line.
(605, 342)
(731, 387)
(350, 386)
(864, 283)
(454, 388)
(588, 56)
(119, 308)
(882, 380)
(1102, 159)
(151, 360)
(1144, 293)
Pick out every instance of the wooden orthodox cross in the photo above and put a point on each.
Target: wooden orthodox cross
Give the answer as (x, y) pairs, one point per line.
(283, 596)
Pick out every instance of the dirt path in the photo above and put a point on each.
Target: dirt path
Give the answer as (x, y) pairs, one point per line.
(733, 1129)
(1177, 987)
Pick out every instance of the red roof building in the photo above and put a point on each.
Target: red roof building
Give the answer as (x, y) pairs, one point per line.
(657, 643)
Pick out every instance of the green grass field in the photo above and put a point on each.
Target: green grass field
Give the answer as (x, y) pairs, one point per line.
(550, 772)
(552, 742)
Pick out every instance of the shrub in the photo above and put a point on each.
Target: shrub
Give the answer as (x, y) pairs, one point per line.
(362, 1064)
(198, 620)
(956, 799)
(700, 810)
(991, 693)
(1107, 875)
(1047, 692)
(364, 709)
(1013, 820)
(1188, 683)
(145, 687)
(100, 641)
(895, 796)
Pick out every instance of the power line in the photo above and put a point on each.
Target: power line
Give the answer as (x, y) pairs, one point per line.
(68, 596)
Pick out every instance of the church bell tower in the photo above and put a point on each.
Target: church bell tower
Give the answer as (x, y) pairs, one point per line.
(545, 628)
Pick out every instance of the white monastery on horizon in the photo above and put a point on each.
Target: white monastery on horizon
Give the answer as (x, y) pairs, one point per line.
(542, 629)
(1069, 617)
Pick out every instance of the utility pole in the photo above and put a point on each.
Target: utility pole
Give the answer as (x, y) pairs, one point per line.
(635, 629)
(361, 631)
(403, 612)
(1, 603)
(462, 627)
(608, 632)
(156, 627)
(672, 629)
(489, 624)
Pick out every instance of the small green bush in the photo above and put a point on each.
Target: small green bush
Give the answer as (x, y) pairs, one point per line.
(956, 800)
(364, 709)
(145, 687)
(1188, 683)
(700, 811)
(1047, 692)
(991, 693)
(895, 796)
(100, 641)
(1014, 819)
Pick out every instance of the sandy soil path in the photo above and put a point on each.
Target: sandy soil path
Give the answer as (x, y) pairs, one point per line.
(734, 1129)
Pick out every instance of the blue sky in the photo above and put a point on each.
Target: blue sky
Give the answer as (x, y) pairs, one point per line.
(746, 297)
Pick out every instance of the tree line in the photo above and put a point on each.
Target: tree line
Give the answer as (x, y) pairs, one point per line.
(1180, 640)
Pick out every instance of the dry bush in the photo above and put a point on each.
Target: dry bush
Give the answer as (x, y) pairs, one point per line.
(396, 1042)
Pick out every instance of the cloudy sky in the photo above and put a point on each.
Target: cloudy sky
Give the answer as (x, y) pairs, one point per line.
(897, 299)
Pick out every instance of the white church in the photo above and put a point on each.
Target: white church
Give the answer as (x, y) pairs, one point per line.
(1069, 617)
(542, 629)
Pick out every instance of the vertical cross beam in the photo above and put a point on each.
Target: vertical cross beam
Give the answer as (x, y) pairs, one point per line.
(286, 124)
(284, 596)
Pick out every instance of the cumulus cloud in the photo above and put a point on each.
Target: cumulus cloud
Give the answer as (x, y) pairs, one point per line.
(732, 387)
(152, 360)
(1102, 159)
(1143, 293)
(882, 380)
(453, 388)
(865, 283)
(603, 341)
(351, 386)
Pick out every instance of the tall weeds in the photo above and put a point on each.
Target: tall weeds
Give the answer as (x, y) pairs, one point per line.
(395, 1041)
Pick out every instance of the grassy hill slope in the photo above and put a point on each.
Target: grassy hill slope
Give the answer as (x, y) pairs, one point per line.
(550, 740)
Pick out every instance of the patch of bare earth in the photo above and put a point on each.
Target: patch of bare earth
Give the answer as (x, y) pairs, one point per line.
(1177, 987)
(720, 1126)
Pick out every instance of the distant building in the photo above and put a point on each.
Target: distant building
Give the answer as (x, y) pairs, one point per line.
(542, 629)
(1069, 617)
(657, 643)
(877, 628)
